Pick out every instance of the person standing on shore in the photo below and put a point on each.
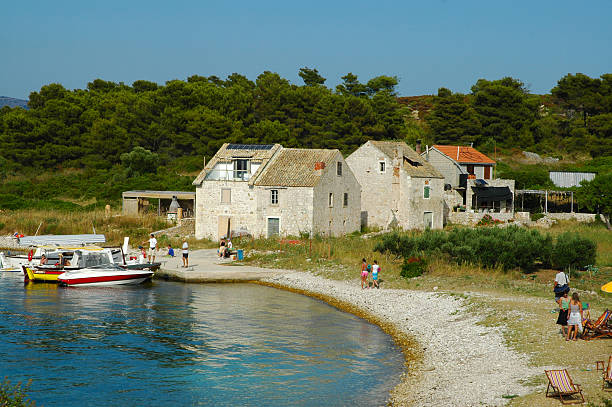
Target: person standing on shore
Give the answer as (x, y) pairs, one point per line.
(575, 317)
(185, 253)
(364, 273)
(375, 270)
(152, 248)
(563, 312)
(561, 285)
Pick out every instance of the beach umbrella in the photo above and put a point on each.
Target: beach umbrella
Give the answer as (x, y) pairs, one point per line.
(607, 287)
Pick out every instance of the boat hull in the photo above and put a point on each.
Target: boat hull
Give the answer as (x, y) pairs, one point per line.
(91, 279)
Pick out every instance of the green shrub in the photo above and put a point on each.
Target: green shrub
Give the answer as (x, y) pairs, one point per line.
(573, 251)
(14, 395)
(536, 216)
(413, 267)
(508, 248)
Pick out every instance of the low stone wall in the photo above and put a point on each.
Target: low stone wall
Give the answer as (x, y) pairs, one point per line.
(468, 218)
(580, 217)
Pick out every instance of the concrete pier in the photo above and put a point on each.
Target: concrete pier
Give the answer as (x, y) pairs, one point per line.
(205, 266)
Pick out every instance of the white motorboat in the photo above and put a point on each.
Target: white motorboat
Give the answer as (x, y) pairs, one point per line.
(109, 274)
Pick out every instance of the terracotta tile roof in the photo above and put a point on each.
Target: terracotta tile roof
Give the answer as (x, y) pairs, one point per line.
(422, 169)
(467, 155)
(227, 152)
(295, 167)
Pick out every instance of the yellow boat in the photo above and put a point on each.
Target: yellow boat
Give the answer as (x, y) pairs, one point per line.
(42, 274)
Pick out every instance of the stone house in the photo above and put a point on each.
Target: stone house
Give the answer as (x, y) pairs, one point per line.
(267, 190)
(399, 187)
(469, 182)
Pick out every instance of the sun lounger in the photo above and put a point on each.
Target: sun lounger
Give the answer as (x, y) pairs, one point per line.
(607, 374)
(562, 386)
(599, 328)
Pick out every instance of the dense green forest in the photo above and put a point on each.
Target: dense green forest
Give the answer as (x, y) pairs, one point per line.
(95, 142)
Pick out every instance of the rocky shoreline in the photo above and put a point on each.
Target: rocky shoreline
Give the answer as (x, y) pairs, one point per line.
(451, 359)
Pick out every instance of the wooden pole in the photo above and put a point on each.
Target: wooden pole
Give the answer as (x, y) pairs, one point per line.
(572, 204)
(310, 247)
(546, 202)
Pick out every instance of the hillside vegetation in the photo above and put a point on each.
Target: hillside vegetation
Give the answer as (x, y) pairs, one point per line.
(88, 145)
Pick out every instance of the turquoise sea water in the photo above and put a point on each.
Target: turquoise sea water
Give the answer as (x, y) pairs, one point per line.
(172, 344)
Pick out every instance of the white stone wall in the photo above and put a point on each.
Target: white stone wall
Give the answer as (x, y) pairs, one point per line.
(394, 200)
(294, 210)
(337, 219)
(209, 208)
(413, 205)
(445, 166)
(377, 203)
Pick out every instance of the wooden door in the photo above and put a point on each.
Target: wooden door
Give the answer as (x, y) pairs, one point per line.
(428, 220)
(273, 227)
(225, 227)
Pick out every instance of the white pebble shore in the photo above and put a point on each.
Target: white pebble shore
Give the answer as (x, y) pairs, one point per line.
(464, 364)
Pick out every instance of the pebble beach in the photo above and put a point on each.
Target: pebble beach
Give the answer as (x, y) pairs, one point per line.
(451, 360)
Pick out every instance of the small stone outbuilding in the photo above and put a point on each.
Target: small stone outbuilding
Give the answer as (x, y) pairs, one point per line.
(267, 190)
(399, 188)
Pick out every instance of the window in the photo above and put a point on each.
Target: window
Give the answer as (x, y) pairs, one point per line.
(226, 196)
(381, 167)
(470, 169)
(339, 169)
(426, 191)
(487, 172)
(331, 199)
(241, 168)
(345, 201)
(274, 196)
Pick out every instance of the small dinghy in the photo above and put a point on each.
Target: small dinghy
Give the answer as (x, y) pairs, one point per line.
(109, 274)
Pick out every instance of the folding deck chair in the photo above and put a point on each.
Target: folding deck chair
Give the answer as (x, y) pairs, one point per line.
(562, 386)
(607, 374)
(599, 328)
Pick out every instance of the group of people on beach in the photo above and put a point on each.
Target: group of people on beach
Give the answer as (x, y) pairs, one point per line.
(366, 271)
(225, 248)
(570, 309)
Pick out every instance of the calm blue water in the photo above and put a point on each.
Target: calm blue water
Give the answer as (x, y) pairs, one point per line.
(172, 344)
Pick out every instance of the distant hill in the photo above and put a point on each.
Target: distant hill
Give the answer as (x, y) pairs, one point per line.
(12, 102)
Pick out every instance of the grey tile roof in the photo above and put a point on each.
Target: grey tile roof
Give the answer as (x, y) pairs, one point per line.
(295, 167)
(422, 168)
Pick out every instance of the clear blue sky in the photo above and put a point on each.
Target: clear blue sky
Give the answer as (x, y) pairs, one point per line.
(427, 44)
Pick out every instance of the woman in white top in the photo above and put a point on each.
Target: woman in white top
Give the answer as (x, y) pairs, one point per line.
(185, 254)
(575, 316)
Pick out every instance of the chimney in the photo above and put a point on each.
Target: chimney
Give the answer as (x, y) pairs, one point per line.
(319, 166)
(418, 147)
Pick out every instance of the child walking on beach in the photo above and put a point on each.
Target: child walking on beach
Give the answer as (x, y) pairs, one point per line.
(364, 273)
(375, 270)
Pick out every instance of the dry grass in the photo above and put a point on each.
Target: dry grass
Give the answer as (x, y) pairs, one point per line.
(115, 227)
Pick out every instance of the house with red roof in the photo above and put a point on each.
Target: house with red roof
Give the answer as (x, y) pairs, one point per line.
(469, 179)
(457, 161)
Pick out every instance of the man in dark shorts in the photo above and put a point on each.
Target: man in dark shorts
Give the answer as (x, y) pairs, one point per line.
(185, 253)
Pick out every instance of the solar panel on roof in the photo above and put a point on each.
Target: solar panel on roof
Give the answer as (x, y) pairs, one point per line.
(250, 146)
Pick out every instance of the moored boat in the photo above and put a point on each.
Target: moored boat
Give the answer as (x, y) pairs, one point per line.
(110, 274)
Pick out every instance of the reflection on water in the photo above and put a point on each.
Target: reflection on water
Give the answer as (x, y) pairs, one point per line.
(176, 344)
